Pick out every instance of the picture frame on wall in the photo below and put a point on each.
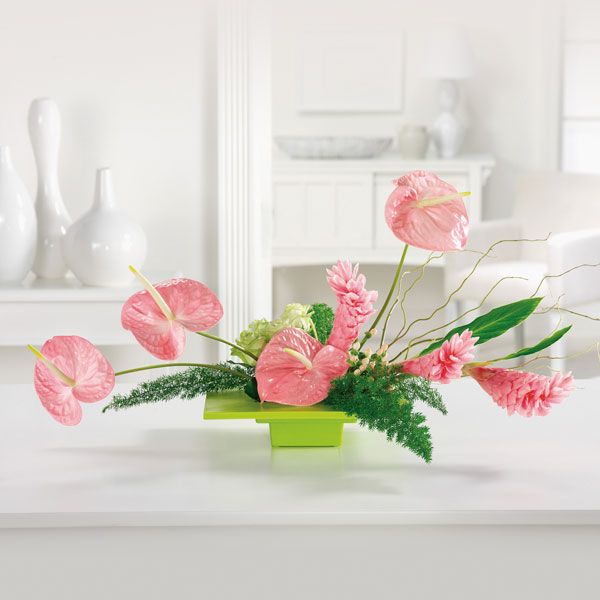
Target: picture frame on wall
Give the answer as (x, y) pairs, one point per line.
(345, 73)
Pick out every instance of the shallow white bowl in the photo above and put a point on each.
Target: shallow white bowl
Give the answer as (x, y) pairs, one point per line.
(332, 147)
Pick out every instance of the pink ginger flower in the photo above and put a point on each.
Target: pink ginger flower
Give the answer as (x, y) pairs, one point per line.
(70, 370)
(525, 393)
(446, 362)
(159, 315)
(296, 369)
(428, 213)
(355, 303)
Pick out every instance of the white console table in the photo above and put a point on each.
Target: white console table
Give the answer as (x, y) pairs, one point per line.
(156, 503)
(324, 209)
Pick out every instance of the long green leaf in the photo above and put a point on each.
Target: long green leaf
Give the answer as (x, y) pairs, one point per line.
(492, 324)
(547, 341)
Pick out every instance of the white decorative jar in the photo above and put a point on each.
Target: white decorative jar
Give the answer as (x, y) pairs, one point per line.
(100, 246)
(18, 224)
(413, 141)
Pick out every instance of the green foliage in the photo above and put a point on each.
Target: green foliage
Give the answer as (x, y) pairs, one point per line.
(186, 385)
(259, 332)
(386, 403)
(322, 317)
(251, 389)
(545, 343)
(494, 323)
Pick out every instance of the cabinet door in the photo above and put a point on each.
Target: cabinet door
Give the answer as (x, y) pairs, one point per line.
(322, 211)
(383, 185)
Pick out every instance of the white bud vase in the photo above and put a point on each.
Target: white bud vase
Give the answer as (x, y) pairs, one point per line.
(18, 226)
(101, 245)
(53, 218)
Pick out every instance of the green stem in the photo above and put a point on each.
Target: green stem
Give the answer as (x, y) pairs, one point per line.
(231, 344)
(184, 364)
(389, 296)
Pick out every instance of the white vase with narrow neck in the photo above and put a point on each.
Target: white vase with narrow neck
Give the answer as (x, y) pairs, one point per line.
(52, 216)
(18, 226)
(101, 245)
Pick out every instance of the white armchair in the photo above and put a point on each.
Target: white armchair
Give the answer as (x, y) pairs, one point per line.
(565, 205)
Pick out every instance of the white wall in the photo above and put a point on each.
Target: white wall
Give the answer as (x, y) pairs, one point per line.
(135, 82)
(511, 102)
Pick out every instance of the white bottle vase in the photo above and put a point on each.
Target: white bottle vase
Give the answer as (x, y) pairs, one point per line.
(53, 218)
(18, 226)
(101, 245)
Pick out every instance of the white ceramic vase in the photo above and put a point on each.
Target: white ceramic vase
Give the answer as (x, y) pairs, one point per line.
(18, 226)
(101, 245)
(52, 216)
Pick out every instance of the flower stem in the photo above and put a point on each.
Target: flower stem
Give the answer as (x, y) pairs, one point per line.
(389, 296)
(184, 364)
(216, 338)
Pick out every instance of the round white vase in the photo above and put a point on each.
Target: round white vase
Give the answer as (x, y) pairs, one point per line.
(18, 225)
(101, 245)
(52, 216)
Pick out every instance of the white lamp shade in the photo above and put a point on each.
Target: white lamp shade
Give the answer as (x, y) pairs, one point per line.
(447, 54)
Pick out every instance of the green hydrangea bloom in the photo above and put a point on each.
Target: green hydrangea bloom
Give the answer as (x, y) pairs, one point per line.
(254, 338)
(258, 334)
(296, 315)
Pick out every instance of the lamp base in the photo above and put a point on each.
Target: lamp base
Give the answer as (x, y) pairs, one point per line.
(448, 132)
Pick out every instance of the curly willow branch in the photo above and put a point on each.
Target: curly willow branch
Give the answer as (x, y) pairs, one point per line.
(416, 280)
(537, 289)
(404, 333)
(565, 357)
(418, 339)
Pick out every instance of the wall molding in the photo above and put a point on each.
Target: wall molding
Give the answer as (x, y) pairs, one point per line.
(244, 142)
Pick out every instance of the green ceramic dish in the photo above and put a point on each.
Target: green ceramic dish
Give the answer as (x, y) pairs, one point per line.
(299, 426)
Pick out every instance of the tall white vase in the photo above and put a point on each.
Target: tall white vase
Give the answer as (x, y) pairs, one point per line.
(53, 218)
(18, 227)
(101, 245)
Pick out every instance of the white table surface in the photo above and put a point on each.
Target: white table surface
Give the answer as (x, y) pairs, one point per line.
(163, 465)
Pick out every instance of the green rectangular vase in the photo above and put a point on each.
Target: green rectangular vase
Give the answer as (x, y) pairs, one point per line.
(291, 426)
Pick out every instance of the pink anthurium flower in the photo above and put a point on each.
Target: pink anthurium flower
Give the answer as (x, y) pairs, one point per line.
(70, 370)
(296, 369)
(518, 391)
(446, 362)
(426, 212)
(159, 315)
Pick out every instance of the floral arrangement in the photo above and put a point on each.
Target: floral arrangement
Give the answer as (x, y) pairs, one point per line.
(313, 353)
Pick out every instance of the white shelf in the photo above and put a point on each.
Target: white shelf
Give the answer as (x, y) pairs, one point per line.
(387, 162)
(329, 256)
(67, 289)
(37, 309)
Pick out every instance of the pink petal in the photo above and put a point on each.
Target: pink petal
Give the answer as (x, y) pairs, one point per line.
(283, 379)
(56, 397)
(194, 305)
(437, 228)
(162, 338)
(81, 361)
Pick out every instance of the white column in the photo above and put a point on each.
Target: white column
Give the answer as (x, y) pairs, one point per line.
(244, 106)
